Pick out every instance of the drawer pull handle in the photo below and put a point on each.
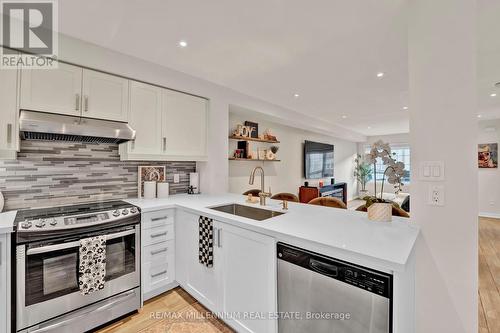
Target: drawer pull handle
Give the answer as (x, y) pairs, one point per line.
(77, 102)
(159, 251)
(159, 234)
(9, 133)
(154, 219)
(158, 274)
(86, 102)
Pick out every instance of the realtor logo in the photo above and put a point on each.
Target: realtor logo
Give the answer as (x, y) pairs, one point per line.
(29, 34)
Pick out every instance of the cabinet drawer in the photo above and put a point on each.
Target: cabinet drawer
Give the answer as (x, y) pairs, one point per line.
(157, 276)
(158, 253)
(158, 234)
(158, 218)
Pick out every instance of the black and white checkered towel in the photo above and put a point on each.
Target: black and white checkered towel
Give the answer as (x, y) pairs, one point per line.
(206, 242)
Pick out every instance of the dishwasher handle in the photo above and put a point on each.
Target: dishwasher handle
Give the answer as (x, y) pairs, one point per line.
(323, 267)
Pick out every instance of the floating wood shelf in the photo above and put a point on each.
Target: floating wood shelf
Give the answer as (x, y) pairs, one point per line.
(251, 159)
(243, 138)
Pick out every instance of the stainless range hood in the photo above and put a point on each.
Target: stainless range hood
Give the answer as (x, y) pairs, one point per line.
(54, 127)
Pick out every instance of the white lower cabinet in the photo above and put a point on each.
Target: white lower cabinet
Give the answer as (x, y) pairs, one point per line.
(247, 278)
(242, 282)
(195, 278)
(158, 252)
(4, 283)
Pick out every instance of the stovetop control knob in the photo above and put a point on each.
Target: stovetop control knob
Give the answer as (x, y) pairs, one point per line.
(40, 224)
(53, 222)
(26, 225)
(116, 213)
(125, 211)
(133, 210)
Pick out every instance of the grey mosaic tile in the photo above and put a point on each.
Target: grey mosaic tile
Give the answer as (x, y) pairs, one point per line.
(57, 173)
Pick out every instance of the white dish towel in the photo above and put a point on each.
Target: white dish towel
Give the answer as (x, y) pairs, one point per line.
(92, 268)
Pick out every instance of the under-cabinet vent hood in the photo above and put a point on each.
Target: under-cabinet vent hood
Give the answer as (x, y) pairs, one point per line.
(54, 127)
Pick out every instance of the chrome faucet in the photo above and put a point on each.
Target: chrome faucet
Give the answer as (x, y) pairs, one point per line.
(263, 194)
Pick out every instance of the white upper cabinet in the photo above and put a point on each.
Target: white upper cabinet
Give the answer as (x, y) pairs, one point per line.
(104, 96)
(9, 134)
(169, 125)
(52, 90)
(184, 125)
(180, 134)
(145, 118)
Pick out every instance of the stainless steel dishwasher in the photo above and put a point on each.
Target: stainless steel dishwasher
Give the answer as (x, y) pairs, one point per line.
(319, 294)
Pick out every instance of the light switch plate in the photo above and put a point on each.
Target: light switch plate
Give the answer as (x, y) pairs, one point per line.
(177, 178)
(432, 171)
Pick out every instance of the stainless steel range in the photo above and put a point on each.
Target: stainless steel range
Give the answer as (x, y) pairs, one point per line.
(48, 298)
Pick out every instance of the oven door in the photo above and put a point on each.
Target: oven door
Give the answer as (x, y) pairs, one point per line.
(47, 275)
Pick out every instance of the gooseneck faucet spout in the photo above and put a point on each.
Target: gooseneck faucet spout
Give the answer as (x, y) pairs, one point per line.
(263, 194)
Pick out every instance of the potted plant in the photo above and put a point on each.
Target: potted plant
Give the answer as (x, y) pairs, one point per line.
(363, 173)
(378, 208)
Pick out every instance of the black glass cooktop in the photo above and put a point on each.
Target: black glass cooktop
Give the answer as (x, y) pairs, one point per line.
(40, 213)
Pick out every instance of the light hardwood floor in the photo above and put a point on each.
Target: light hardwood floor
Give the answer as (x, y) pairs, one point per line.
(173, 312)
(489, 275)
(176, 311)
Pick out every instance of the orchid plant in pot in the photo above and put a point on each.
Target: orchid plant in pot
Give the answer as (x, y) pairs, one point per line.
(393, 174)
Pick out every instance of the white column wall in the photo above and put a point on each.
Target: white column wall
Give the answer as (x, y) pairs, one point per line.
(442, 59)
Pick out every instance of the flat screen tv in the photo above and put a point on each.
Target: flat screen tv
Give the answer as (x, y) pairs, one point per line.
(318, 160)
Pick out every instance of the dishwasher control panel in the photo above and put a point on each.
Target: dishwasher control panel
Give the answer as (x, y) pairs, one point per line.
(361, 277)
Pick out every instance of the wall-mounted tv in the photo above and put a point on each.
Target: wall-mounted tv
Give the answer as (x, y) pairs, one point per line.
(318, 160)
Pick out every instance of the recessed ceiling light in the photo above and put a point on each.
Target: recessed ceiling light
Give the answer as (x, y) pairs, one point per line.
(493, 95)
(296, 95)
(405, 108)
(183, 43)
(369, 127)
(344, 116)
(479, 116)
(380, 74)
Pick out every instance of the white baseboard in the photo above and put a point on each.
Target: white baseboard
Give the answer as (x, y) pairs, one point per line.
(489, 215)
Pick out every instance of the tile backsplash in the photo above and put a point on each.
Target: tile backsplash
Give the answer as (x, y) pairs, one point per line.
(50, 173)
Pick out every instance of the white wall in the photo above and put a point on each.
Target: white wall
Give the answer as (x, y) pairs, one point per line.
(442, 72)
(213, 173)
(403, 138)
(489, 179)
(288, 175)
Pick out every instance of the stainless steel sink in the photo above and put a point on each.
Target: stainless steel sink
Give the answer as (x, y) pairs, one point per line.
(248, 212)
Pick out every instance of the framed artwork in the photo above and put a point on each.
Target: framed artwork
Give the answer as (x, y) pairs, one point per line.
(487, 156)
(157, 173)
(254, 133)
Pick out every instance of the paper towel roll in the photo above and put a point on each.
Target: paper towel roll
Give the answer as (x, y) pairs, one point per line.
(149, 189)
(194, 181)
(163, 190)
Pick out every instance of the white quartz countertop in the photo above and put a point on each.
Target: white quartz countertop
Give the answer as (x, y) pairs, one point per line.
(7, 221)
(345, 230)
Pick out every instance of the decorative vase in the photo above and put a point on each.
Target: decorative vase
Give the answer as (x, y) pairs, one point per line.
(380, 212)
(270, 155)
(1, 202)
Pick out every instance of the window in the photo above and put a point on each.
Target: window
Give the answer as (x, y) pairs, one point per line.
(402, 154)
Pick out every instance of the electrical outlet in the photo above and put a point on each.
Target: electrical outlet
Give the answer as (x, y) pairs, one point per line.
(436, 195)
(177, 178)
(492, 202)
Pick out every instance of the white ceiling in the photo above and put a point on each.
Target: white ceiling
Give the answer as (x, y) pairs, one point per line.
(328, 51)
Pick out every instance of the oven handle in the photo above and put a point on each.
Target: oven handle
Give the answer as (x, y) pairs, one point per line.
(62, 246)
